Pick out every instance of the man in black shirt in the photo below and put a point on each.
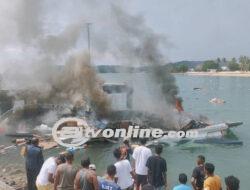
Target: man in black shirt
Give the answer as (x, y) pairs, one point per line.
(198, 175)
(157, 168)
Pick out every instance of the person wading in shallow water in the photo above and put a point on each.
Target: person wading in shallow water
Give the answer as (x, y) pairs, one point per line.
(33, 163)
(86, 178)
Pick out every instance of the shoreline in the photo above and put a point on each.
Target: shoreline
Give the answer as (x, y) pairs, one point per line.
(220, 74)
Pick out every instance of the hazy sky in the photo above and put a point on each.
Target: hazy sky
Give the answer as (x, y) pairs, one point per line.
(199, 29)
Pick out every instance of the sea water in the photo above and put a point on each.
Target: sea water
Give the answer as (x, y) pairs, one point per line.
(228, 160)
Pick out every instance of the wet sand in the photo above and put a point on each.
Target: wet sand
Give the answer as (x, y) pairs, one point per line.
(222, 74)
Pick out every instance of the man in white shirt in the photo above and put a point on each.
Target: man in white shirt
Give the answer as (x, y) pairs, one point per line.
(45, 177)
(124, 172)
(140, 156)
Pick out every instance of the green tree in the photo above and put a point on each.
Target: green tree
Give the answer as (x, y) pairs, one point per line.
(233, 65)
(248, 64)
(177, 68)
(244, 63)
(210, 64)
(182, 68)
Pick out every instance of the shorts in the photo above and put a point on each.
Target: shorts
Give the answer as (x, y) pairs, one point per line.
(45, 187)
(141, 179)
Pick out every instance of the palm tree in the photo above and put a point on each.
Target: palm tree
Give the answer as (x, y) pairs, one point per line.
(244, 63)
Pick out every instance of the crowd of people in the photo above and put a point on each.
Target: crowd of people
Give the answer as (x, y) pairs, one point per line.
(144, 171)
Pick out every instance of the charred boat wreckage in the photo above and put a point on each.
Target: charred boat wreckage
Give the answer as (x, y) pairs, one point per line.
(45, 116)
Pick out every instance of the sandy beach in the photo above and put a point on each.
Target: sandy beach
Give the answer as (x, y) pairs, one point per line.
(222, 74)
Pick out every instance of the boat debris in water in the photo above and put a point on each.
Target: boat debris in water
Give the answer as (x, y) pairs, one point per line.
(217, 101)
(209, 134)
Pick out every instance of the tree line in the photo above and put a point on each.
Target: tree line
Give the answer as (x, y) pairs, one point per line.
(234, 64)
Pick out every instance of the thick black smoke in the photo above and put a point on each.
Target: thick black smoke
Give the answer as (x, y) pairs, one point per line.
(143, 46)
(47, 39)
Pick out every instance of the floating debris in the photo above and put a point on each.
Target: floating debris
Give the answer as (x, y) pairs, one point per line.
(197, 88)
(217, 101)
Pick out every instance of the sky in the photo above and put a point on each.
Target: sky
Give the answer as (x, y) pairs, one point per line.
(195, 29)
(199, 29)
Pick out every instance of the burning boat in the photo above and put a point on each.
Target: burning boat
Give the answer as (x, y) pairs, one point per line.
(120, 117)
(205, 131)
